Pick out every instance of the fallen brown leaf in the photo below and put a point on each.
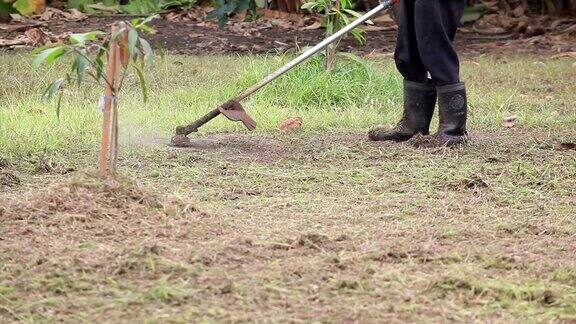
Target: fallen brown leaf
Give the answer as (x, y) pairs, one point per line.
(17, 18)
(172, 16)
(315, 25)
(47, 15)
(37, 36)
(77, 15)
(56, 14)
(291, 123)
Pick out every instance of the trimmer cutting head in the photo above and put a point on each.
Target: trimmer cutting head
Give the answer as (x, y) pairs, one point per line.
(180, 141)
(232, 109)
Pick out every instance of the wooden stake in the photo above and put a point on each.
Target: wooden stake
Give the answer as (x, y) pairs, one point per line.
(113, 139)
(121, 57)
(109, 102)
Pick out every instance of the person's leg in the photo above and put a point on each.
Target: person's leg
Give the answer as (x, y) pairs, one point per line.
(419, 94)
(407, 55)
(436, 24)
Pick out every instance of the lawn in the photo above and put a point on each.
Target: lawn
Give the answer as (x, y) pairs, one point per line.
(313, 225)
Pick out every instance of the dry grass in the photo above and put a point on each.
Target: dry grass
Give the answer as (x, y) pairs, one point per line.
(316, 227)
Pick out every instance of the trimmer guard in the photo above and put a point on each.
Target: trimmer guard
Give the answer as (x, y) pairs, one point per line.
(234, 111)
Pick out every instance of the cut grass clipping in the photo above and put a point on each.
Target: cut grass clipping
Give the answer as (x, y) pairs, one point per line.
(87, 197)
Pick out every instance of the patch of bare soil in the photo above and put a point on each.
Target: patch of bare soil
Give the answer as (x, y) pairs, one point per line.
(275, 147)
(200, 36)
(241, 146)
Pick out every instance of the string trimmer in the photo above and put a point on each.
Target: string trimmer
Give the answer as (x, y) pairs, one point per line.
(234, 111)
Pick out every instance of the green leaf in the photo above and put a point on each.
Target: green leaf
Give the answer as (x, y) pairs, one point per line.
(353, 13)
(100, 61)
(53, 88)
(222, 21)
(84, 37)
(132, 40)
(29, 7)
(48, 55)
(345, 4)
(135, 21)
(223, 9)
(260, 3)
(104, 8)
(473, 13)
(329, 27)
(37, 50)
(358, 34)
(241, 5)
(59, 104)
(148, 52)
(147, 29)
(143, 85)
(230, 7)
(139, 22)
(79, 67)
(309, 5)
(345, 18)
(6, 7)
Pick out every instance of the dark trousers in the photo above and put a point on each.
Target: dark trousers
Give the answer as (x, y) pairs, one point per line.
(425, 40)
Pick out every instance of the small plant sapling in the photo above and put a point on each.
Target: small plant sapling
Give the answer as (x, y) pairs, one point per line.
(337, 14)
(124, 50)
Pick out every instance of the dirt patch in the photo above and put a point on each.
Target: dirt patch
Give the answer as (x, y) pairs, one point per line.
(239, 146)
(190, 37)
(278, 146)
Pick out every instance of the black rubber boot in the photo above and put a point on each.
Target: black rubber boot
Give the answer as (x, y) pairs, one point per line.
(419, 102)
(453, 110)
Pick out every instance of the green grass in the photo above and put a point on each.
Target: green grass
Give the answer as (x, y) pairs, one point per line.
(355, 95)
(314, 225)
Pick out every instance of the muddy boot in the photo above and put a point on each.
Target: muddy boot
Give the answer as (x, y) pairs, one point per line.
(419, 102)
(453, 110)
